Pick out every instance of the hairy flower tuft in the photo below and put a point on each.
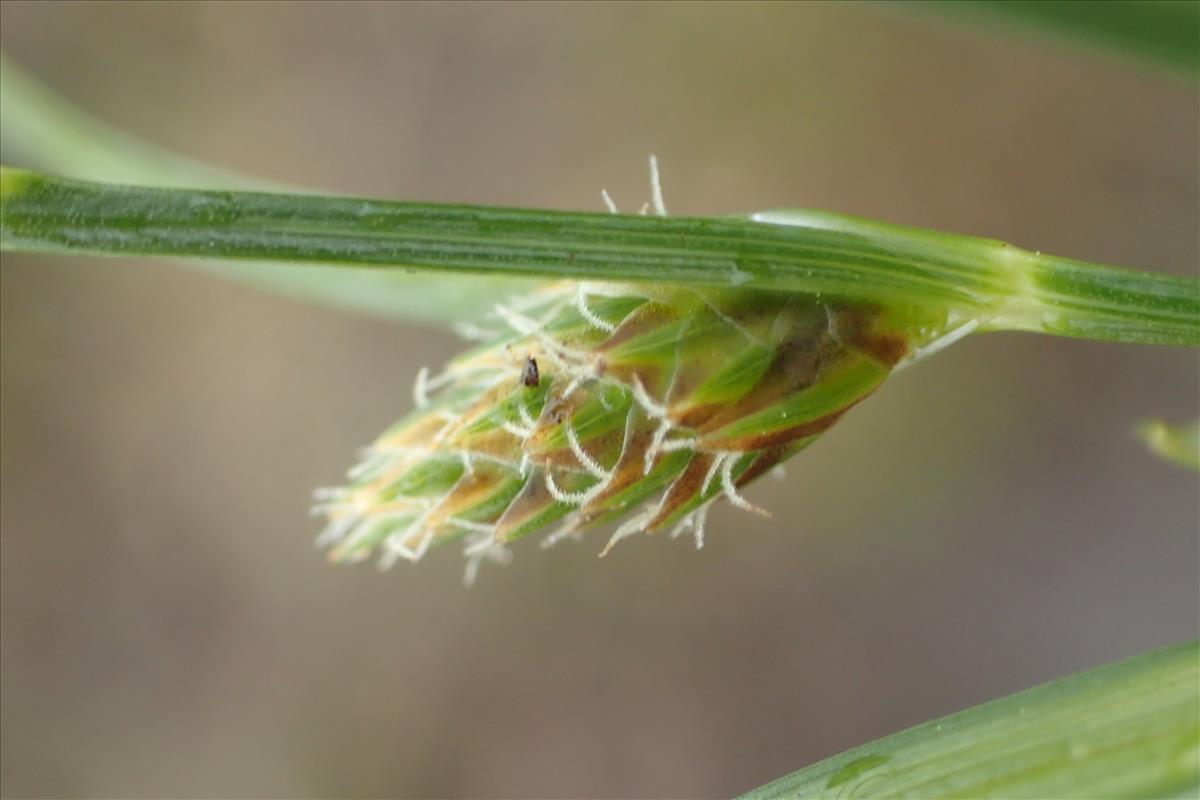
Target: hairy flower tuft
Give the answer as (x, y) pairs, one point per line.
(633, 405)
(638, 405)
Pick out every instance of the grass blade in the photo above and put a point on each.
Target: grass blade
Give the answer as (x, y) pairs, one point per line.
(816, 253)
(1130, 729)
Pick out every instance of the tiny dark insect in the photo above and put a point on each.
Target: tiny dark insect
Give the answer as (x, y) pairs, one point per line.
(529, 372)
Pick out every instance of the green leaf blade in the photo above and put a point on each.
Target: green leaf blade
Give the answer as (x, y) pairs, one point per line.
(1130, 729)
(815, 253)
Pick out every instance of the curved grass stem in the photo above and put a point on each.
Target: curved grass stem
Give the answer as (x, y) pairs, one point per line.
(815, 253)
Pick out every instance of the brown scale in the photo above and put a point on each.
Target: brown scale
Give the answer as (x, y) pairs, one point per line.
(480, 408)
(652, 376)
(472, 488)
(691, 481)
(683, 490)
(563, 457)
(557, 409)
(856, 326)
(854, 330)
(796, 365)
(799, 365)
(497, 443)
(534, 499)
(629, 470)
(777, 438)
(638, 322)
(771, 457)
(418, 433)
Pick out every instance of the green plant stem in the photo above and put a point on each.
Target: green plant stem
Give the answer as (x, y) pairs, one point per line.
(1086, 301)
(1162, 32)
(811, 252)
(1130, 729)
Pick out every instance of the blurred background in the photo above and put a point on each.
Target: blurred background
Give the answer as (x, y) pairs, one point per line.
(984, 523)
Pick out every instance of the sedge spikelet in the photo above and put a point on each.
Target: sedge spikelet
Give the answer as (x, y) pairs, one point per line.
(602, 403)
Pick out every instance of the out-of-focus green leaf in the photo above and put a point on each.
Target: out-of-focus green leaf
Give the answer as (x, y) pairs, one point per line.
(41, 128)
(1178, 443)
(1165, 32)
